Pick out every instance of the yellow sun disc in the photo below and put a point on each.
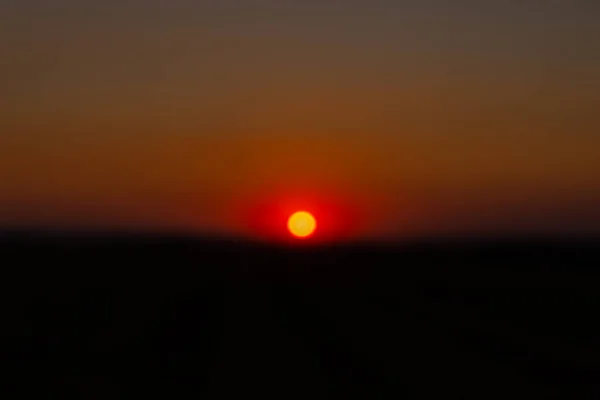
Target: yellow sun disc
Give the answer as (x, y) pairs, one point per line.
(302, 224)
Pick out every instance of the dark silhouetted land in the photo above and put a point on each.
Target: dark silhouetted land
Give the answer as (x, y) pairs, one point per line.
(103, 317)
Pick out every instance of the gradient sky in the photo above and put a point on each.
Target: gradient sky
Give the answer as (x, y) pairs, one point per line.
(393, 117)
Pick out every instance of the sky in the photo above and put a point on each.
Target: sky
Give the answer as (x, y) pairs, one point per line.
(384, 118)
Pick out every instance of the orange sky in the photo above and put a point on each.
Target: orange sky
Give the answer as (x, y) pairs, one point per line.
(165, 120)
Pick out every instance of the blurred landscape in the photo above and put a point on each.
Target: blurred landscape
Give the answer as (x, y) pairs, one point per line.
(447, 152)
(121, 316)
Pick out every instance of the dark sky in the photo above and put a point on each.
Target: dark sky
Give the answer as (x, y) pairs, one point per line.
(384, 117)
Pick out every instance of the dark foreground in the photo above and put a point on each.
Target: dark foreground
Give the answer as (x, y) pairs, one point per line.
(102, 318)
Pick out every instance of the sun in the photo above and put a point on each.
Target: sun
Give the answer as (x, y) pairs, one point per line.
(302, 224)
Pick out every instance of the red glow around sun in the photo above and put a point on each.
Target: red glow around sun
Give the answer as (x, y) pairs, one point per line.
(336, 217)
